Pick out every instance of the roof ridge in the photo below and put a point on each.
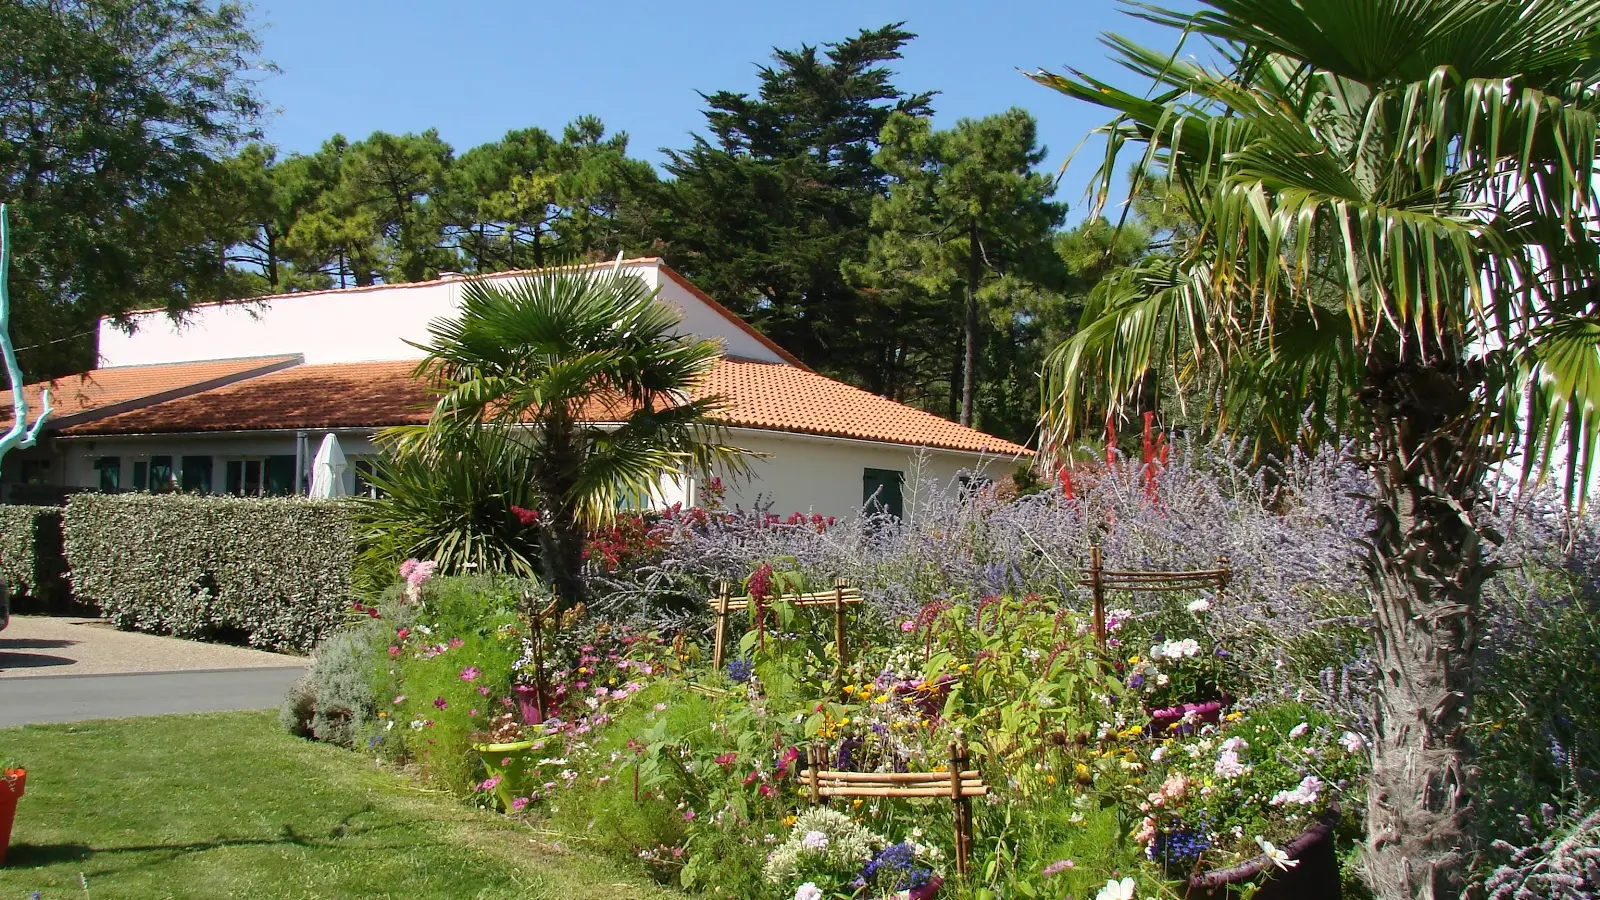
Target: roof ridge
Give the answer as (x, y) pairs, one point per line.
(187, 362)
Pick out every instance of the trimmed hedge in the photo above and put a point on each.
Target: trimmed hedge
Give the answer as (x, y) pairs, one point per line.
(31, 559)
(273, 573)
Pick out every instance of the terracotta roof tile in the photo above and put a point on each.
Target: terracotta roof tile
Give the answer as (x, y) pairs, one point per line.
(784, 398)
(77, 398)
(755, 395)
(333, 395)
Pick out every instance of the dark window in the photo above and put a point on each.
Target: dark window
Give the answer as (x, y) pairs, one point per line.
(244, 477)
(110, 473)
(363, 472)
(36, 471)
(279, 476)
(141, 475)
(160, 474)
(880, 491)
(196, 476)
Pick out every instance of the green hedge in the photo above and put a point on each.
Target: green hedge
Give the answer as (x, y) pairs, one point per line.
(31, 560)
(271, 572)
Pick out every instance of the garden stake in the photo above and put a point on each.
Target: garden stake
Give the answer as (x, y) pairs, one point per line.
(815, 754)
(838, 627)
(720, 641)
(963, 806)
(1097, 589)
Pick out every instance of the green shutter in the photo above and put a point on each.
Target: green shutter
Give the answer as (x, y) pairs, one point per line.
(881, 490)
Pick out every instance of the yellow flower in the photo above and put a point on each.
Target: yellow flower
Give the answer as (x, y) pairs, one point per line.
(1235, 716)
(845, 721)
(583, 670)
(964, 668)
(856, 802)
(612, 681)
(849, 689)
(1133, 660)
(883, 699)
(788, 821)
(1049, 779)
(383, 714)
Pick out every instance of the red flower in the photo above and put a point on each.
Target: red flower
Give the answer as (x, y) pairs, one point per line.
(525, 516)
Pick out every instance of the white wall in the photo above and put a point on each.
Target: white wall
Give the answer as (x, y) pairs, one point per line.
(805, 473)
(798, 473)
(356, 325)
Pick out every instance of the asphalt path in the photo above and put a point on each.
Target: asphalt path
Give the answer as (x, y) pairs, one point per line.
(38, 699)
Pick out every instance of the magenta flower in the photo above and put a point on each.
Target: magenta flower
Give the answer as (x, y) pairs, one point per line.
(456, 643)
(490, 783)
(441, 703)
(1057, 867)
(470, 673)
(518, 804)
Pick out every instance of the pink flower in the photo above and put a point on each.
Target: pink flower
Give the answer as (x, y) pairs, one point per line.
(441, 703)
(518, 804)
(399, 700)
(726, 760)
(456, 643)
(401, 634)
(484, 691)
(908, 626)
(490, 783)
(688, 815)
(472, 712)
(470, 673)
(1057, 867)
(766, 790)
(394, 652)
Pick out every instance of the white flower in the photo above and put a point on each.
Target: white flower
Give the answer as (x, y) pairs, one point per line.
(1199, 606)
(1235, 744)
(1158, 754)
(1276, 856)
(808, 891)
(1300, 729)
(815, 841)
(1046, 701)
(1116, 890)
(1157, 650)
(1352, 742)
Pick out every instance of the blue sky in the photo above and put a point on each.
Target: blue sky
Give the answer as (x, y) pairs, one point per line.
(476, 69)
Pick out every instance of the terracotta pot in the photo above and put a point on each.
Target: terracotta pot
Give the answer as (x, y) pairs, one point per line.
(11, 787)
(1316, 877)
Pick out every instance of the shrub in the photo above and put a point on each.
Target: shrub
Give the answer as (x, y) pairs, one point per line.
(31, 559)
(274, 573)
(341, 683)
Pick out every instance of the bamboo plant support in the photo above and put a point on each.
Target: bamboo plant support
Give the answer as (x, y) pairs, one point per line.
(838, 599)
(960, 784)
(1102, 580)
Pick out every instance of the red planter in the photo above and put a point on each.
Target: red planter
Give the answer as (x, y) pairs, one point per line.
(1161, 720)
(10, 792)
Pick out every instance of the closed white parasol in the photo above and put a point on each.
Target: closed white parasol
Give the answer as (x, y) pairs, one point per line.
(328, 469)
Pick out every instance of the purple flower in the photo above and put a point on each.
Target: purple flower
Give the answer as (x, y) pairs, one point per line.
(470, 673)
(441, 703)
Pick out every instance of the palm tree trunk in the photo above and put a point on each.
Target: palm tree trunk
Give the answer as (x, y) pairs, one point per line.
(1426, 565)
(561, 537)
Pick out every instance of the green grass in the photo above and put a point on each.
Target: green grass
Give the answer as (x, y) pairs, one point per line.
(227, 805)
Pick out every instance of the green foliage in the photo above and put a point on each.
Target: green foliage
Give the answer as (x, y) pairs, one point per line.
(451, 504)
(343, 706)
(32, 562)
(1537, 718)
(549, 351)
(115, 117)
(271, 572)
(964, 231)
(764, 211)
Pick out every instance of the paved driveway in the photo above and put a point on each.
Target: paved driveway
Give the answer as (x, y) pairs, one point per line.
(69, 669)
(52, 645)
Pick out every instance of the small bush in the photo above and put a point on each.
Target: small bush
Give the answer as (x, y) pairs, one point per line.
(343, 704)
(31, 558)
(294, 713)
(271, 573)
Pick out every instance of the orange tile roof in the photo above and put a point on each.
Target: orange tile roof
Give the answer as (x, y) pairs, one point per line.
(769, 396)
(332, 395)
(784, 398)
(77, 398)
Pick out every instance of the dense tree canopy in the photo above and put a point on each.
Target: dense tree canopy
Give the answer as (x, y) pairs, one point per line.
(921, 264)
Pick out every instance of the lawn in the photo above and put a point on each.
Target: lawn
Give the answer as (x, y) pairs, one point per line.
(228, 805)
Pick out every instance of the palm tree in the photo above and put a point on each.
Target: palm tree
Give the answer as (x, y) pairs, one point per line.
(1394, 237)
(584, 372)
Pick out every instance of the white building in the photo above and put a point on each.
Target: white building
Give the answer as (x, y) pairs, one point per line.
(235, 398)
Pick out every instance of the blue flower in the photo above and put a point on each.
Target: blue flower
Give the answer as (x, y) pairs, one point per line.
(740, 670)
